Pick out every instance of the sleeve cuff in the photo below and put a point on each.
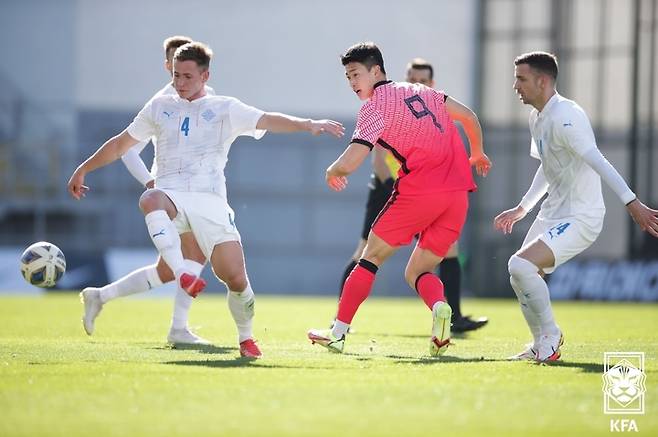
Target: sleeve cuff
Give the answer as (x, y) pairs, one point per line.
(368, 144)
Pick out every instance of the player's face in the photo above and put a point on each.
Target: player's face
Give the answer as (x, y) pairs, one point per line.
(362, 81)
(189, 79)
(415, 75)
(527, 84)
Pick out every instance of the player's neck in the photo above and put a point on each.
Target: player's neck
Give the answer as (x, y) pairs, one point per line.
(198, 95)
(544, 100)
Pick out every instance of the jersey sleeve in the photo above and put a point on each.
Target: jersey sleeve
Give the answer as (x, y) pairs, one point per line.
(244, 119)
(143, 125)
(369, 126)
(574, 131)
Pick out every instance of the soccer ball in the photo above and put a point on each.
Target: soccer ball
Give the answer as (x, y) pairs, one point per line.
(42, 264)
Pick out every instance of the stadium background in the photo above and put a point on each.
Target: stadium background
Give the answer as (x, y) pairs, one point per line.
(75, 72)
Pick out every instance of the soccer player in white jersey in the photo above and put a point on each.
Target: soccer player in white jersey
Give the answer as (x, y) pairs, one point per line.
(193, 134)
(151, 276)
(571, 217)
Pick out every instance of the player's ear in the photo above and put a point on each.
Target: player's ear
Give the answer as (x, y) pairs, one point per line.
(205, 75)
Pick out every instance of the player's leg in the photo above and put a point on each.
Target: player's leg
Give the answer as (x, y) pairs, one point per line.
(356, 290)
(378, 194)
(228, 265)
(159, 211)
(419, 275)
(180, 333)
(142, 279)
(433, 244)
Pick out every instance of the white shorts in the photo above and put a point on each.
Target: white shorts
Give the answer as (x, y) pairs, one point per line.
(566, 237)
(207, 215)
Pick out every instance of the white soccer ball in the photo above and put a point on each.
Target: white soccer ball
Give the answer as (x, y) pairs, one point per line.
(43, 264)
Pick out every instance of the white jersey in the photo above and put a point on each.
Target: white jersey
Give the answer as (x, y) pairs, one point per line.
(167, 90)
(561, 135)
(192, 139)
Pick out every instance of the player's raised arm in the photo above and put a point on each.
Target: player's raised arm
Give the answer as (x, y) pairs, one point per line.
(345, 165)
(463, 114)
(281, 123)
(109, 152)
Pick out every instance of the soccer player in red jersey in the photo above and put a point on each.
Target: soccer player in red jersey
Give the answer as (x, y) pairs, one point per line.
(430, 197)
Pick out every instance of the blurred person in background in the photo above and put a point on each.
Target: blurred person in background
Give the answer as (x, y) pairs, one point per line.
(571, 217)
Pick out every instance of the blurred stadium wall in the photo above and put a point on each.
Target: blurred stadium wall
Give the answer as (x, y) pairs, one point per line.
(75, 72)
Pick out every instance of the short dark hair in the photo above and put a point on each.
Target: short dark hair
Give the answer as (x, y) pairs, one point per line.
(194, 51)
(366, 53)
(541, 61)
(173, 42)
(421, 64)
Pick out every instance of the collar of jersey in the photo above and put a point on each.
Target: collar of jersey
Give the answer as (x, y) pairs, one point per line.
(179, 99)
(381, 82)
(549, 104)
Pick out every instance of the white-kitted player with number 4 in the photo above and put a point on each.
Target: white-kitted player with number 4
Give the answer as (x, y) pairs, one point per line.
(151, 276)
(571, 216)
(193, 133)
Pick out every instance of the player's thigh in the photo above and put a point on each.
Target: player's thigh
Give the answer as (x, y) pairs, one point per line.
(538, 253)
(440, 236)
(227, 262)
(377, 250)
(191, 249)
(420, 261)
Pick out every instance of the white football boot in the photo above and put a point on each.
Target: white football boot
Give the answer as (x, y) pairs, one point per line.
(441, 316)
(528, 354)
(185, 336)
(549, 348)
(325, 338)
(91, 299)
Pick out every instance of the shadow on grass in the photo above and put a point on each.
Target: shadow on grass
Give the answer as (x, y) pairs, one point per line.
(584, 367)
(400, 359)
(232, 363)
(201, 348)
(458, 335)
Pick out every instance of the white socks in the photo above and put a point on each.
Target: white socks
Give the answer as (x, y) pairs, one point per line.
(166, 239)
(533, 290)
(241, 305)
(134, 282)
(183, 301)
(339, 329)
(531, 319)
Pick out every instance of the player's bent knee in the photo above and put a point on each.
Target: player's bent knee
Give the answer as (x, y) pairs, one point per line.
(520, 267)
(150, 200)
(235, 282)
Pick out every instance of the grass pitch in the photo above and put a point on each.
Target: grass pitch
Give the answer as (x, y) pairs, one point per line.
(125, 381)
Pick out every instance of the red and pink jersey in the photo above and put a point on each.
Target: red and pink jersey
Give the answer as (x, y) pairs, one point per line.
(411, 121)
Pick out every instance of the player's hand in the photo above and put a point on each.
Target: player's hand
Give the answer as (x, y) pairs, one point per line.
(336, 183)
(327, 126)
(481, 162)
(76, 186)
(644, 216)
(505, 220)
(150, 184)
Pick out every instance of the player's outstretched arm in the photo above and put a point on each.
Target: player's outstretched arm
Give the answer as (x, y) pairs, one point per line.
(282, 123)
(463, 114)
(107, 153)
(345, 165)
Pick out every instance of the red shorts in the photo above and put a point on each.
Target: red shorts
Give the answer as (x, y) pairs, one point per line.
(437, 218)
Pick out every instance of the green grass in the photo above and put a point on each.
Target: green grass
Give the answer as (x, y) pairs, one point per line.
(124, 381)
